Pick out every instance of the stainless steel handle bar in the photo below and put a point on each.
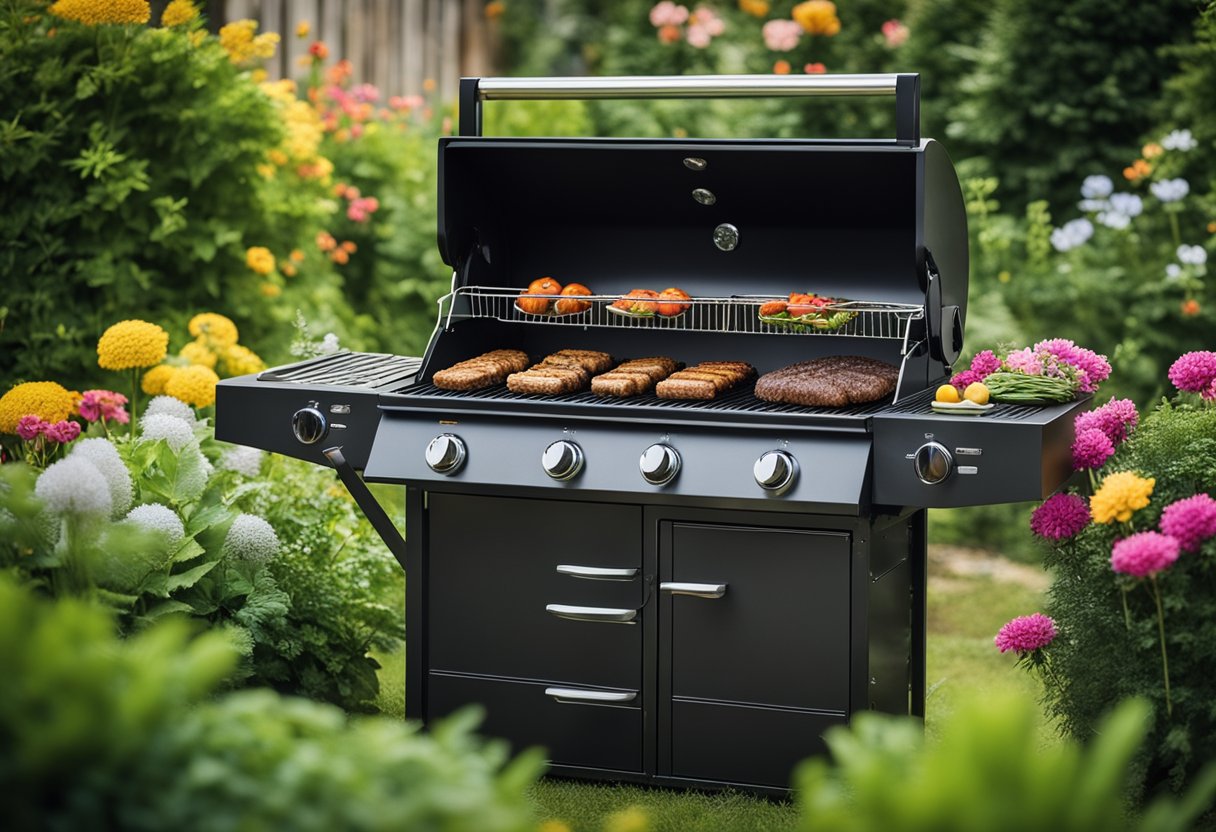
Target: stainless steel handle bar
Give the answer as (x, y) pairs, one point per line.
(697, 590)
(577, 695)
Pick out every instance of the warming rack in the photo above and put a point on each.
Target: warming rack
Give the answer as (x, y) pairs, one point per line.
(736, 314)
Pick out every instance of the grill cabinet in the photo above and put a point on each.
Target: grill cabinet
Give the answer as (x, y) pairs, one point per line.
(706, 631)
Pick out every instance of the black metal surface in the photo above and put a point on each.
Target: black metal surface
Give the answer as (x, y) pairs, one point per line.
(374, 371)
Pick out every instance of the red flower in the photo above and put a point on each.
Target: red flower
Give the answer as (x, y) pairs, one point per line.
(814, 69)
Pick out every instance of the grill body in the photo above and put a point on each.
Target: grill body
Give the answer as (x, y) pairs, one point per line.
(704, 631)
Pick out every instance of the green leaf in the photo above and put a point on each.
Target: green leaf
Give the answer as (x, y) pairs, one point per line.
(190, 577)
(164, 608)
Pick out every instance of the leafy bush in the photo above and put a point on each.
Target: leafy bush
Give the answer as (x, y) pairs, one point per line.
(102, 733)
(986, 772)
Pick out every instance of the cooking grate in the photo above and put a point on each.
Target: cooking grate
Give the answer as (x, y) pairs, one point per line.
(349, 369)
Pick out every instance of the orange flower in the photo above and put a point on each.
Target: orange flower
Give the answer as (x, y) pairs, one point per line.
(814, 69)
(326, 241)
(494, 9)
(318, 50)
(339, 256)
(1152, 150)
(349, 247)
(756, 8)
(669, 33)
(1190, 308)
(1212, 227)
(428, 85)
(297, 256)
(817, 17)
(781, 68)
(1137, 170)
(270, 290)
(288, 270)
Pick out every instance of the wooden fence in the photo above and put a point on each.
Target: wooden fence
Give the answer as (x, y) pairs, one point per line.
(394, 44)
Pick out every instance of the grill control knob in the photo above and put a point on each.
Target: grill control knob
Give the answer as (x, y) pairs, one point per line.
(659, 464)
(775, 471)
(933, 463)
(309, 425)
(445, 453)
(562, 460)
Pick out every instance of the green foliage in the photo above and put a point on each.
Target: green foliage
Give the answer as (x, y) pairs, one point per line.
(1187, 100)
(1100, 655)
(986, 772)
(103, 733)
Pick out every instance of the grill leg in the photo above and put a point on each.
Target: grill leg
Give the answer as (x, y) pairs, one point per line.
(917, 555)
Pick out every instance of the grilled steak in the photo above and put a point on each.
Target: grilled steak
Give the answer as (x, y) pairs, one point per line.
(835, 381)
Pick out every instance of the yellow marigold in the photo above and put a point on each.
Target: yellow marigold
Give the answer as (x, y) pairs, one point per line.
(196, 352)
(1119, 496)
(153, 382)
(1152, 150)
(47, 400)
(100, 12)
(277, 157)
(241, 361)
(302, 29)
(178, 13)
(194, 385)
(243, 46)
(756, 8)
(130, 344)
(270, 290)
(260, 260)
(817, 17)
(216, 330)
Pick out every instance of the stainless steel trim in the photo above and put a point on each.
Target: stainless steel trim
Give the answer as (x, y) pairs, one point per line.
(609, 615)
(697, 590)
(596, 573)
(576, 695)
(683, 86)
(968, 469)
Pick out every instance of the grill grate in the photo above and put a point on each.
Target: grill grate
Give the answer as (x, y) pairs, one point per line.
(349, 369)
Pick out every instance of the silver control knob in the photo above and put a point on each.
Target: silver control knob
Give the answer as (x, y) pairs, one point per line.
(775, 471)
(446, 453)
(933, 463)
(659, 464)
(309, 425)
(562, 460)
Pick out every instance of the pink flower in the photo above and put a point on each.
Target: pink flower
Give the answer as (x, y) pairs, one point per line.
(895, 33)
(704, 16)
(781, 35)
(1190, 521)
(1061, 516)
(1092, 369)
(1091, 449)
(1024, 361)
(1195, 372)
(1144, 554)
(405, 102)
(31, 427)
(1117, 418)
(698, 37)
(104, 404)
(63, 432)
(668, 13)
(985, 363)
(961, 380)
(1026, 634)
(365, 93)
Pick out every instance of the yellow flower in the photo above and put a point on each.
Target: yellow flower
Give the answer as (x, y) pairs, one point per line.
(100, 12)
(270, 290)
(1119, 495)
(241, 361)
(631, 819)
(196, 352)
(194, 385)
(303, 29)
(243, 46)
(216, 330)
(153, 382)
(278, 157)
(817, 17)
(756, 8)
(260, 260)
(494, 9)
(1152, 150)
(47, 400)
(178, 12)
(129, 344)
(198, 36)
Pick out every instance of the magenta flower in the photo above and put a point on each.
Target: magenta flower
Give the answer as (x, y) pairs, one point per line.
(1026, 634)
(985, 363)
(1144, 554)
(1195, 372)
(781, 35)
(1190, 521)
(1117, 418)
(104, 404)
(31, 427)
(63, 432)
(961, 380)
(1092, 369)
(1061, 516)
(1091, 449)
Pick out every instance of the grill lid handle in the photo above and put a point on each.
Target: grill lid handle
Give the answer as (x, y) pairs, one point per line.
(904, 86)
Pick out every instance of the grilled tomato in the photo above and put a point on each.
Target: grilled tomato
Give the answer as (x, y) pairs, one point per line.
(801, 304)
(571, 307)
(669, 295)
(543, 286)
(636, 301)
(773, 307)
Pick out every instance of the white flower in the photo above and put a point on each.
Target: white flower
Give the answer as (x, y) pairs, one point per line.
(1097, 187)
(169, 406)
(1179, 140)
(1114, 219)
(244, 460)
(157, 518)
(1091, 205)
(1072, 234)
(1192, 255)
(73, 485)
(1173, 271)
(105, 458)
(251, 538)
(174, 431)
(1170, 190)
(329, 344)
(1130, 205)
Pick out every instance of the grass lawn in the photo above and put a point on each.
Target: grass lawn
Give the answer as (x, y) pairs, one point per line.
(971, 594)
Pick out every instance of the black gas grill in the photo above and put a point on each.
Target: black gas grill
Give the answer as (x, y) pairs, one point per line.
(671, 592)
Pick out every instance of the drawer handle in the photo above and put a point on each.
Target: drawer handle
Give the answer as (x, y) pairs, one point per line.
(696, 590)
(596, 573)
(575, 695)
(608, 614)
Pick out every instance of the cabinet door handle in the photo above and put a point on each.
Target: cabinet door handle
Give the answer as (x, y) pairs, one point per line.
(576, 695)
(606, 614)
(596, 573)
(698, 590)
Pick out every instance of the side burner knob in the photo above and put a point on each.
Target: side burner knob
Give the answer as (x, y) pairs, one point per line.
(446, 453)
(933, 463)
(775, 471)
(562, 460)
(309, 425)
(659, 464)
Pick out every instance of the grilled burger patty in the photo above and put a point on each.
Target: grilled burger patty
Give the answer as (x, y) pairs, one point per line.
(834, 381)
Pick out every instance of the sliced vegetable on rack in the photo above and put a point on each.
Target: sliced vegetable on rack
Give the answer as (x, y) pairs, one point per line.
(805, 312)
